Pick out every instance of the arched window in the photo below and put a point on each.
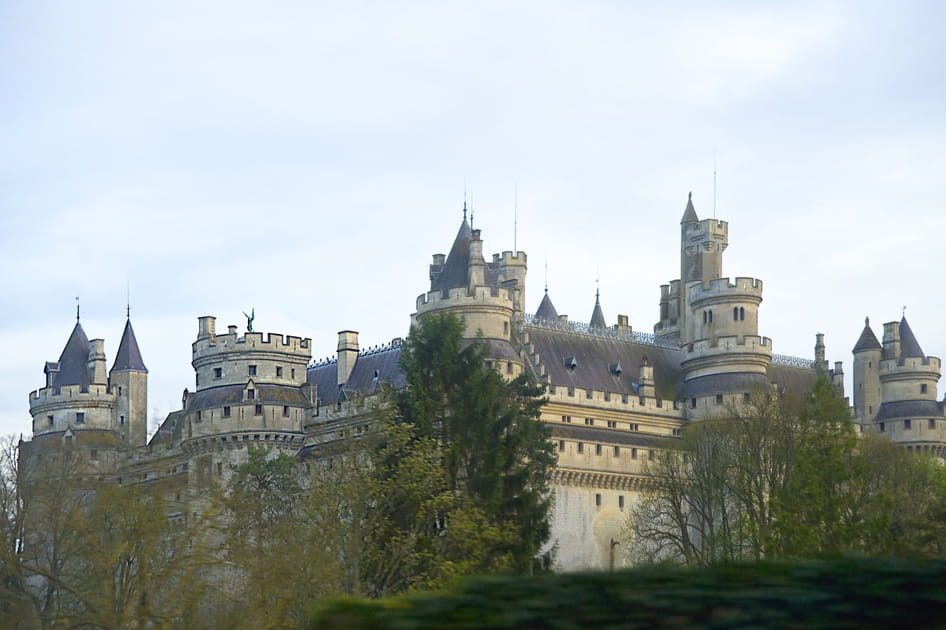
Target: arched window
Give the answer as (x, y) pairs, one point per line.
(735, 313)
(742, 313)
(704, 317)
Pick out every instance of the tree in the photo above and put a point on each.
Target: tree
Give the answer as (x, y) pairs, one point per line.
(496, 456)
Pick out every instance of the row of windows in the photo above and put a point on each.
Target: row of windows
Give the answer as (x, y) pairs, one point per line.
(257, 410)
(599, 450)
(589, 393)
(252, 371)
(489, 366)
(620, 501)
(612, 424)
(746, 397)
(907, 425)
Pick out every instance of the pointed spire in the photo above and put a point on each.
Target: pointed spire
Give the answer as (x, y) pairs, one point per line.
(597, 316)
(546, 310)
(689, 215)
(909, 346)
(455, 269)
(128, 358)
(867, 340)
(74, 360)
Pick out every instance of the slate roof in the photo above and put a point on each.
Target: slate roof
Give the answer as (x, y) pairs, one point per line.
(546, 309)
(128, 358)
(455, 271)
(689, 214)
(370, 371)
(233, 394)
(909, 346)
(593, 356)
(74, 361)
(867, 340)
(910, 409)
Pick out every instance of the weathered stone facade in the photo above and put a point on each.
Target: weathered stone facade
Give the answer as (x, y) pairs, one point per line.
(614, 393)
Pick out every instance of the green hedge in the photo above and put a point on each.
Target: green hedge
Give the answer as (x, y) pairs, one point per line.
(849, 593)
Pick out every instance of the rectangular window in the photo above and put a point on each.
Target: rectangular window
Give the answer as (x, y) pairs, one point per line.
(677, 432)
(561, 445)
(119, 391)
(566, 418)
(200, 415)
(923, 388)
(226, 412)
(590, 422)
(882, 427)
(251, 394)
(624, 398)
(285, 411)
(571, 391)
(588, 393)
(617, 451)
(612, 424)
(746, 397)
(218, 372)
(932, 423)
(551, 389)
(258, 410)
(906, 424)
(621, 501)
(651, 454)
(50, 418)
(693, 403)
(607, 396)
(508, 367)
(597, 449)
(93, 454)
(598, 500)
(252, 370)
(581, 447)
(719, 399)
(633, 453)
(292, 373)
(80, 417)
(278, 371)
(489, 365)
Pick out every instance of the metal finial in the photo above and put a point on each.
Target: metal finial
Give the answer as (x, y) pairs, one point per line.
(127, 299)
(546, 275)
(77, 308)
(903, 313)
(464, 208)
(866, 322)
(690, 196)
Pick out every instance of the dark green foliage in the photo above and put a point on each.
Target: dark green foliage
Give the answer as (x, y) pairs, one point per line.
(496, 456)
(846, 593)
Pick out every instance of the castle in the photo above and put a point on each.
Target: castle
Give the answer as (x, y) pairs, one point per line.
(614, 393)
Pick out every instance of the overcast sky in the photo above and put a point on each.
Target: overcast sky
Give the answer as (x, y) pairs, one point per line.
(306, 159)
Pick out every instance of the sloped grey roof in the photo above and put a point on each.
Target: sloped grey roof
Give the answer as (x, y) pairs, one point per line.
(792, 380)
(597, 315)
(724, 383)
(546, 309)
(594, 355)
(454, 273)
(910, 409)
(233, 394)
(74, 361)
(909, 346)
(689, 214)
(128, 358)
(369, 372)
(867, 340)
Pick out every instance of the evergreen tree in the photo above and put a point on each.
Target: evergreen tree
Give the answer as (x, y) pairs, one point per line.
(496, 455)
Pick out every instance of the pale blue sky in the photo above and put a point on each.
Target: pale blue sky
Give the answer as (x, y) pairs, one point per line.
(306, 159)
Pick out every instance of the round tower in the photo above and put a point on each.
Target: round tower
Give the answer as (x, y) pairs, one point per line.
(867, 357)
(725, 357)
(489, 296)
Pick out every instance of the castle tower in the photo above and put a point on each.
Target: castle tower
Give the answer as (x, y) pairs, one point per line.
(546, 311)
(129, 382)
(488, 295)
(867, 355)
(250, 392)
(702, 244)
(597, 315)
(908, 379)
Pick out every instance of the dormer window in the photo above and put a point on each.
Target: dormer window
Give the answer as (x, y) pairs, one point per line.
(251, 394)
(570, 362)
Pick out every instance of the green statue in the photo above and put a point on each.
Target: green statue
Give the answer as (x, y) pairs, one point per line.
(249, 319)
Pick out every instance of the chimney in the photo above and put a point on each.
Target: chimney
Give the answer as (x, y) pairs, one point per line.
(891, 341)
(477, 264)
(206, 327)
(347, 354)
(645, 387)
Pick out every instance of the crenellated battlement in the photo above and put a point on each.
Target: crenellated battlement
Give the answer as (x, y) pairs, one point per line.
(910, 366)
(252, 341)
(95, 393)
(712, 227)
(481, 295)
(508, 258)
(724, 288)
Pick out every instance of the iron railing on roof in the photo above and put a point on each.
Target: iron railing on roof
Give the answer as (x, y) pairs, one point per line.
(798, 362)
(582, 328)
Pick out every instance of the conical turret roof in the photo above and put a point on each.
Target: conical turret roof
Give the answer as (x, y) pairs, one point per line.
(455, 270)
(128, 358)
(74, 360)
(597, 315)
(909, 346)
(867, 340)
(689, 215)
(546, 310)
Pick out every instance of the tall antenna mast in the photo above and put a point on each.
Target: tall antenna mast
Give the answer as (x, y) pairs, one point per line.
(546, 274)
(515, 220)
(127, 299)
(464, 197)
(471, 208)
(714, 182)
